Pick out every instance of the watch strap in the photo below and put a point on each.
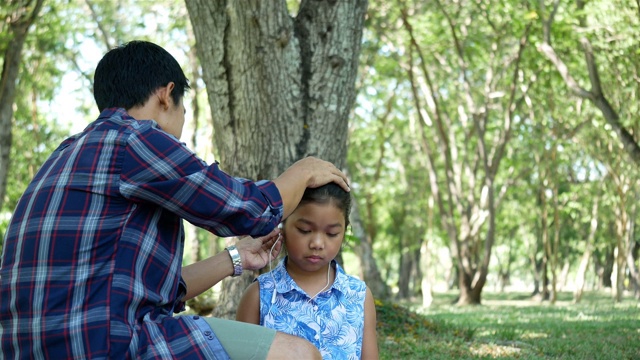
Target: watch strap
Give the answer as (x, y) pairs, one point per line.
(236, 260)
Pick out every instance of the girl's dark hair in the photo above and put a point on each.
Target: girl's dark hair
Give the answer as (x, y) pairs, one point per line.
(329, 193)
(128, 74)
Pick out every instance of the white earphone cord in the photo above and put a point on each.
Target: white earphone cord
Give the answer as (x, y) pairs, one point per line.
(273, 297)
(326, 286)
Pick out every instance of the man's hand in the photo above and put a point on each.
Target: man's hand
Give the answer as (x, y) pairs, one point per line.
(308, 172)
(256, 253)
(317, 172)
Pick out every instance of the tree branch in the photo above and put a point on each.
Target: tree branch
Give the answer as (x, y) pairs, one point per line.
(94, 16)
(506, 134)
(550, 53)
(596, 95)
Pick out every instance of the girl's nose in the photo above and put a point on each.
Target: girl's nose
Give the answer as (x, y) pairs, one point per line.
(317, 242)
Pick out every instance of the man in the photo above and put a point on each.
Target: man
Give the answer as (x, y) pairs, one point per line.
(91, 266)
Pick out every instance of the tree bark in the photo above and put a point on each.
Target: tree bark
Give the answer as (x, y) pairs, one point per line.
(280, 87)
(20, 17)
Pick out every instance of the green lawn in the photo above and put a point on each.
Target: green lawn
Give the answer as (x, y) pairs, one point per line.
(511, 326)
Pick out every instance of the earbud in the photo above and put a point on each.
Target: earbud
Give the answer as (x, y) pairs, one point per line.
(273, 296)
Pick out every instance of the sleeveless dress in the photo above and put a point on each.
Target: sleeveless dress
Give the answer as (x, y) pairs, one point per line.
(333, 321)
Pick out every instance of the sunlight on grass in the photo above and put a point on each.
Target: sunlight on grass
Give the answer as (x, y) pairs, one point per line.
(582, 317)
(494, 351)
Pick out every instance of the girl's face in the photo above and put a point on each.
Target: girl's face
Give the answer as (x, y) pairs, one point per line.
(313, 235)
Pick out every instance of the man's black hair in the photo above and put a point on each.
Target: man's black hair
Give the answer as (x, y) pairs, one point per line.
(128, 74)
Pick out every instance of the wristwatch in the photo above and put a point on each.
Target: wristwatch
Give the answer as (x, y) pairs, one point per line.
(236, 260)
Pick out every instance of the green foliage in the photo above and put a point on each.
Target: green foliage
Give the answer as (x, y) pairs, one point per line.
(35, 133)
(559, 141)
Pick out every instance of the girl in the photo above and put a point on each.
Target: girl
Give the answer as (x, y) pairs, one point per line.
(308, 294)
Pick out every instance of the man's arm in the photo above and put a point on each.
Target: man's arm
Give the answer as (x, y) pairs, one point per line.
(255, 254)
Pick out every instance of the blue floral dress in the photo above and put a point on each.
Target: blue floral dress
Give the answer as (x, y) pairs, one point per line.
(333, 321)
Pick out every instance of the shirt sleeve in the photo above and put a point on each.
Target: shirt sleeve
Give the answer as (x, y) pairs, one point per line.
(158, 169)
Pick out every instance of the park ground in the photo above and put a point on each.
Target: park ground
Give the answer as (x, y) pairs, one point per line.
(511, 326)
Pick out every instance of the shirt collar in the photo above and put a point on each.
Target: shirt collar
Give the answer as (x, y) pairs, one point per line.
(117, 112)
(285, 283)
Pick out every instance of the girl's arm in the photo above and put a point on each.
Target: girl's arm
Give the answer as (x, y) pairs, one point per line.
(249, 307)
(370, 337)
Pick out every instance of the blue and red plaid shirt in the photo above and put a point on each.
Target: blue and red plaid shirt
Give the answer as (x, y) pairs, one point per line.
(91, 265)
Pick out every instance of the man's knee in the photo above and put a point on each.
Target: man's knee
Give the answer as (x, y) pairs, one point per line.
(287, 346)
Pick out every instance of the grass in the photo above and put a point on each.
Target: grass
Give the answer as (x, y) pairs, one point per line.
(511, 326)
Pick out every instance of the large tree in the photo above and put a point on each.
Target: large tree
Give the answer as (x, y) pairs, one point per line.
(467, 124)
(280, 86)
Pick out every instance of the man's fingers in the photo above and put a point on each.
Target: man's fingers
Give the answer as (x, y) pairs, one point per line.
(343, 183)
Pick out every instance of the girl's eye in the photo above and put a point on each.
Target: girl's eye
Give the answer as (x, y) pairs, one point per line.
(333, 235)
(303, 231)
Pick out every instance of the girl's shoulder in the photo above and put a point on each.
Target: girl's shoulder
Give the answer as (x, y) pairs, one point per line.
(275, 275)
(352, 282)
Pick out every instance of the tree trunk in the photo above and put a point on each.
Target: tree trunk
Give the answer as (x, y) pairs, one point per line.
(504, 272)
(405, 266)
(536, 264)
(555, 248)
(632, 251)
(20, 17)
(280, 87)
(369, 272)
(544, 294)
(617, 275)
(427, 281)
(623, 231)
(544, 228)
(586, 256)
(465, 275)
(606, 270)
(632, 258)
(467, 294)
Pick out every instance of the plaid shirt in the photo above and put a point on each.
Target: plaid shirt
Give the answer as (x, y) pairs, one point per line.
(91, 266)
